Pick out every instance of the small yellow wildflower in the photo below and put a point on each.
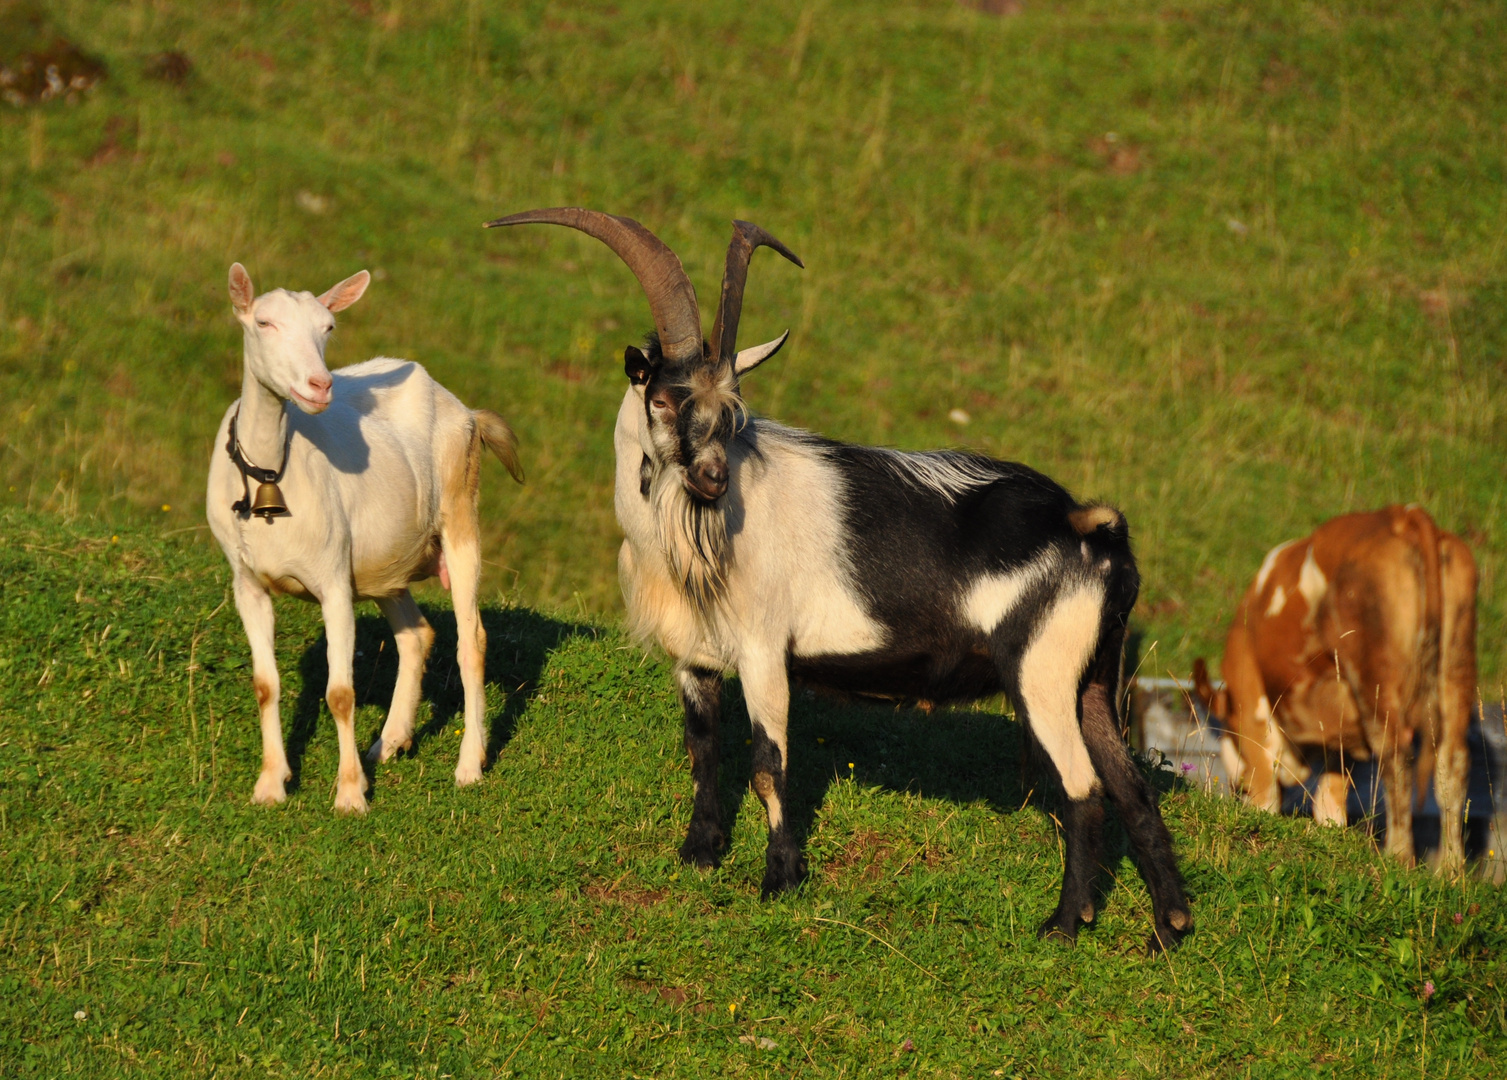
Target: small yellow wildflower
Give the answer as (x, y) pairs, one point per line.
(166, 507)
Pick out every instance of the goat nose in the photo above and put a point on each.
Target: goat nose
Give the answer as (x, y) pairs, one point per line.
(715, 475)
(321, 383)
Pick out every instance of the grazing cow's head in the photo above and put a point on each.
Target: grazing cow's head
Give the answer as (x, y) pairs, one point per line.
(286, 334)
(1216, 702)
(689, 386)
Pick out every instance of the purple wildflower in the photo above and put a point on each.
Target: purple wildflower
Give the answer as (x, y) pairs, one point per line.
(1458, 918)
(1428, 990)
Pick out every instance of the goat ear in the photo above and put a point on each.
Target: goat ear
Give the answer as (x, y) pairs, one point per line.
(241, 292)
(347, 292)
(748, 359)
(637, 366)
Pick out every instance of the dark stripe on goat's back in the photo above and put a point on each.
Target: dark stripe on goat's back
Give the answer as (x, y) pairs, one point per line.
(914, 549)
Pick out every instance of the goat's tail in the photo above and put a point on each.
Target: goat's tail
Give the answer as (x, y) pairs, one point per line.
(1104, 534)
(498, 437)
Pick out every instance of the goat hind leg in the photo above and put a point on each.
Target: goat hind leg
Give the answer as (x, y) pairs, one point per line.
(1135, 802)
(463, 557)
(414, 637)
(1046, 680)
(1054, 726)
(701, 698)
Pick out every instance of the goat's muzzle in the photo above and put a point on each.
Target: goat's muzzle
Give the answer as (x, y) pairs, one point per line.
(707, 480)
(315, 402)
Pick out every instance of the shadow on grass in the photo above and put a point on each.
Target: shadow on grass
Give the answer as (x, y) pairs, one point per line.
(519, 643)
(957, 755)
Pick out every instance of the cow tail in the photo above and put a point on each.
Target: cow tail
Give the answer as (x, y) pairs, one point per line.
(1430, 659)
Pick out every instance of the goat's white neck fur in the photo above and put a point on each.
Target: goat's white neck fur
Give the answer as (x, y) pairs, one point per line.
(262, 423)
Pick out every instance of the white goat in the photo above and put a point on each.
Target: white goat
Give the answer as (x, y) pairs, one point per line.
(379, 467)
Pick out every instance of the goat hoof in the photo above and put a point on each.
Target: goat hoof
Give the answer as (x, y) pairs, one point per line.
(270, 789)
(784, 869)
(1059, 928)
(467, 773)
(383, 749)
(350, 802)
(1166, 935)
(702, 848)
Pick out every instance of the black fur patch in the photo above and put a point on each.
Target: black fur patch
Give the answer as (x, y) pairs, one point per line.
(784, 865)
(701, 698)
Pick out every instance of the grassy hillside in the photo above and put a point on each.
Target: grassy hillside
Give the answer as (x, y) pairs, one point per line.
(154, 923)
(1236, 268)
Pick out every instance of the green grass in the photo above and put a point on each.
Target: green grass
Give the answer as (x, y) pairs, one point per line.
(154, 923)
(1238, 269)
(1277, 293)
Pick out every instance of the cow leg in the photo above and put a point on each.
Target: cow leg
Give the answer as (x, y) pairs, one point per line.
(1397, 778)
(1457, 683)
(1262, 752)
(701, 698)
(1390, 738)
(1134, 800)
(414, 638)
(1329, 800)
(766, 689)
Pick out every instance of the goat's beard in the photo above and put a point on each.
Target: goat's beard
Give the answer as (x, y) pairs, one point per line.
(693, 537)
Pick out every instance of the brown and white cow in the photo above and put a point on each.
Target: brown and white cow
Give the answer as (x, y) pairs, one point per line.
(1350, 642)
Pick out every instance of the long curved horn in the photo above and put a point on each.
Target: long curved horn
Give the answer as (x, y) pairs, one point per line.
(746, 237)
(672, 299)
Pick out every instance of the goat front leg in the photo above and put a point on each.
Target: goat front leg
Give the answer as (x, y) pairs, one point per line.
(340, 694)
(414, 638)
(255, 607)
(701, 698)
(766, 689)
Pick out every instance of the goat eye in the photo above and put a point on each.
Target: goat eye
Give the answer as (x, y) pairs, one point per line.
(659, 403)
(263, 322)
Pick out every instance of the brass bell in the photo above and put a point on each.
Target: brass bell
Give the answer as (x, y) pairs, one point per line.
(268, 502)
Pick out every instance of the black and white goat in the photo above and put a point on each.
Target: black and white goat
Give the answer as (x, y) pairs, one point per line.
(944, 576)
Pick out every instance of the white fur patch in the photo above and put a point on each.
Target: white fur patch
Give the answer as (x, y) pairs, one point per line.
(1269, 562)
(950, 475)
(798, 522)
(1311, 582)
(1279, 601)
(1288, 766)
(1049, 673)
(990, 598)
(782, 510)
(1234, 767)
